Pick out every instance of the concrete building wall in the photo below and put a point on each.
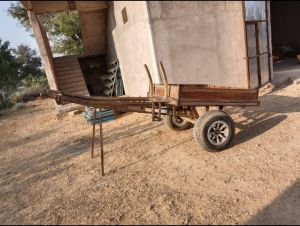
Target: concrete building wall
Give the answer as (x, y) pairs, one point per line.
(111, 24)
(134, 46)
(200, 42)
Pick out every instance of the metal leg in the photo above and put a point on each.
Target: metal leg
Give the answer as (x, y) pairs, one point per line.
(93, 137)
(101, 143)
(159, 112)
(153, 111)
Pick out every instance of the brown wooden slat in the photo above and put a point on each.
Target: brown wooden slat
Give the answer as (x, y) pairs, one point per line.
(197, 95)
(160, 90)
(68, 79)
(69, 74)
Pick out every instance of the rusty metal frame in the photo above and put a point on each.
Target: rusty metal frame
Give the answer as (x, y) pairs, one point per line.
(246, 41)
(258, 54)
(268, 36)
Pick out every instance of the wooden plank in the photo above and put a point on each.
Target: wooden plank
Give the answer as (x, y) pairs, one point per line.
(44, 48)
(159, 90)
(197, 95)
(90, 5)
(43, 7)
(196, 103)
(27, 5)
(93, 29)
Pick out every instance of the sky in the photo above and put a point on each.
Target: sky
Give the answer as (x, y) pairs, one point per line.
(12, 31)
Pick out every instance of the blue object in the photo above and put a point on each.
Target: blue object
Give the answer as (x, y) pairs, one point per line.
(107, 115)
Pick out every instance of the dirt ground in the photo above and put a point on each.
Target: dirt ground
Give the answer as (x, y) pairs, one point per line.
(153, 175)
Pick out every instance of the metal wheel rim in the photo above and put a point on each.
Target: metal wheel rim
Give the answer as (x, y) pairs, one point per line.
(218, 132)
(178, 121)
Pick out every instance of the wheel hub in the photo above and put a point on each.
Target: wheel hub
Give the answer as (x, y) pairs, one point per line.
(178, 121)
(218, 132)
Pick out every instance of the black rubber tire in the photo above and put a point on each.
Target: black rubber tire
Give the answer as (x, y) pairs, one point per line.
(177, 126)
(204, 122)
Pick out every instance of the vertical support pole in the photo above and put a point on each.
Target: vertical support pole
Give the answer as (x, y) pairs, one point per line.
(257, 53)
(174, 111)
(159, 111)
(153, 111)
(267, 26)
(101, 143)
(93, 137)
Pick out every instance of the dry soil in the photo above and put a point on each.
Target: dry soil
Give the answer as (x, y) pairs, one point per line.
(153, 175)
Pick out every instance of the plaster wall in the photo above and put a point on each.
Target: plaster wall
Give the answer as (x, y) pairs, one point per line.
(200, 42)
(134, 47)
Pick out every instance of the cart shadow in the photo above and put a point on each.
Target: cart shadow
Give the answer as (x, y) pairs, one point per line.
(165, 150)
(30, 171)
(284, 210)
(41, 166)
(28, 139)
(254, 121)
(128, 130)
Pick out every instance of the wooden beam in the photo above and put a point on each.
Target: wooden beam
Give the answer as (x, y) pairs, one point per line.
(44, 48)
(90, 5)
(44, 7)
(27, 5)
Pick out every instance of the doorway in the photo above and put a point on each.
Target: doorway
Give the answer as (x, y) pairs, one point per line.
(285, 39)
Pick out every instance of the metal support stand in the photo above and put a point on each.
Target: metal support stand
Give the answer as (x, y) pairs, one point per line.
(101, 139)
(93, 136)
(101, 143)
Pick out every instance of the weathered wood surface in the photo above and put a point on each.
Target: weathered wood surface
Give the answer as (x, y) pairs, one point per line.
(69, 76)
(199, 95)
(43, 7)
(44, 48)
(93, 29)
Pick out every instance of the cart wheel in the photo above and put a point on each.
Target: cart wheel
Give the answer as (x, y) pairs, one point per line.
(177, 123)
(214, 130)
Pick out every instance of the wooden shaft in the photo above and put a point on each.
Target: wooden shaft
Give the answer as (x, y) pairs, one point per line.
(150, 79)
(162, 69)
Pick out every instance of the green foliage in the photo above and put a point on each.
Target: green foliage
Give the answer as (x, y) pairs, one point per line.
(29, 62)
(63, 29)
(64, 32)
(19, 67)
(8, 67)
(32, 81)
(17, 11)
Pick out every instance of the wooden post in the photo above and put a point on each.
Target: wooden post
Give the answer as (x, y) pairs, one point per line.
(44, 48)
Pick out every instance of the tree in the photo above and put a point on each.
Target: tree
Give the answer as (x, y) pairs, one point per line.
(28, 61)
(63, 29)
(19, 66)
(8, 67)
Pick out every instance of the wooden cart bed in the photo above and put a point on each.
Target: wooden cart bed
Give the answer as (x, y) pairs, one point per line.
(204, 95)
